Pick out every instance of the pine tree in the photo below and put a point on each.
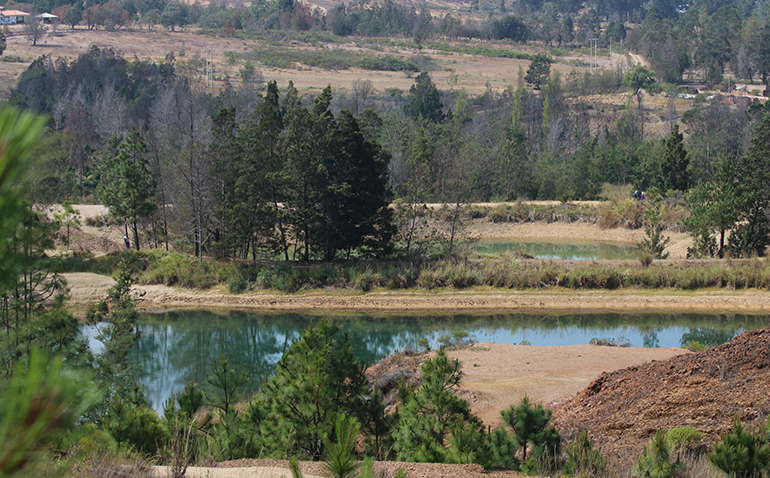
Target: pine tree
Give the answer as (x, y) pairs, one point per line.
(429, 413)
(128, 186)
(538, 71)
(530, 427)
(317, 380)
(114, 320)
(743, 453)
(355, 201)
(674, 171)
(655, 461)
(753, 177)
(425, 102)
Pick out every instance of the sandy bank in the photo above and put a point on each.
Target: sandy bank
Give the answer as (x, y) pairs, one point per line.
(87, 287)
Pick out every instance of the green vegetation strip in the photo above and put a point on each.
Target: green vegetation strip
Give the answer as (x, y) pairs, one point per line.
(332, 60)
(159, 267)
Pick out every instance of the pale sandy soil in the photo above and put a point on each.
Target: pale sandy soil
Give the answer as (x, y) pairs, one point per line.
(87, 287)
(497, 376)
(473, 72)
(241, 472)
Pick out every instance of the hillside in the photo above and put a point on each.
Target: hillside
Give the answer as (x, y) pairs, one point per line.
(622, 409)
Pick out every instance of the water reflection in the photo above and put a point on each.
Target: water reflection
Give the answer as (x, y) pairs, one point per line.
(574, 250)
(177, 347)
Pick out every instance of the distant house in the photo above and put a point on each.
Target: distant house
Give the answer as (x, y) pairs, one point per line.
(12, 17)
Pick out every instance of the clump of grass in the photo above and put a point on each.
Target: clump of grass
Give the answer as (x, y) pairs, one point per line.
(521, 211)
(610, 342)
(176, 269)
(645, 258)
(158, 267)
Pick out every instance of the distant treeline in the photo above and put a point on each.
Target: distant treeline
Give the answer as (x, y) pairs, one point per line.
(442, 146)
(675, 38)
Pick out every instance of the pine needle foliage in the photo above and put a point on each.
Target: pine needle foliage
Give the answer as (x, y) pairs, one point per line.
(340, 461)
(317, 380)
(430, 412)
(584, 458)
(743, 453)
(530, 427)
(655, 461)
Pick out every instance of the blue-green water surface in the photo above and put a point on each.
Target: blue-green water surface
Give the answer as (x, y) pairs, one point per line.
(177, 347)
(568, 249)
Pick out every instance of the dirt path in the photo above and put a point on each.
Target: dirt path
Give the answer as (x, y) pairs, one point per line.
(87, 287)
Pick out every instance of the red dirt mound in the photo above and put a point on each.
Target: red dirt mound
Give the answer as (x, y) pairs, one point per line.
(622, 409)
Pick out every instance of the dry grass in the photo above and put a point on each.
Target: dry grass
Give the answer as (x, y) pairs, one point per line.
(110, 466)
(472, 72)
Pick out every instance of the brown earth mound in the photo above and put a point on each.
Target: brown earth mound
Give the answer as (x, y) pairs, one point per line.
(622, 409)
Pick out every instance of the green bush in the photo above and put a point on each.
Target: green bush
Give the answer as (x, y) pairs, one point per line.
(694, 346)
(177, 269)
(237, 284)
(683, 440)
(656, 459)
(743, 453)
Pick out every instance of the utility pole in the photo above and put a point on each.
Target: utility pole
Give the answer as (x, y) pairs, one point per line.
(210, 67)
(594, 42)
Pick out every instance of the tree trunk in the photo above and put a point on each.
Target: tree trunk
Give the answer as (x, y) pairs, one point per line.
(136, 234)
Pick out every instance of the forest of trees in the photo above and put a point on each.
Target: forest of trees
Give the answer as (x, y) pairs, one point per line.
(225, 163)
(67, 408)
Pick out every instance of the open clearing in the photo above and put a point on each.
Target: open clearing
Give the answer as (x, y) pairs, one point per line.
(473, 72)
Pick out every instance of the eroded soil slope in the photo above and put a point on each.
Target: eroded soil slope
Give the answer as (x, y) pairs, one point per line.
(704, 391)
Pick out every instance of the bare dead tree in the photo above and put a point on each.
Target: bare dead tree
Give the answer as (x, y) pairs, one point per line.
(362, 90)
(109, 111)
(182, 124)
(34, 29)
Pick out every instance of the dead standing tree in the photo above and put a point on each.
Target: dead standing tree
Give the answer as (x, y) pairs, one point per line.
(183, 125)
(34, 29)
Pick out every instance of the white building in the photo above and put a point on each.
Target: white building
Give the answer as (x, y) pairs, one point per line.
(12, 17)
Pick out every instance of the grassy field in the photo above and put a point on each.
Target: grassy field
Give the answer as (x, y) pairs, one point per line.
(457, 65)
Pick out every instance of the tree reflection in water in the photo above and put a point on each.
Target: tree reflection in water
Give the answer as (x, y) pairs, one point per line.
(179, 346)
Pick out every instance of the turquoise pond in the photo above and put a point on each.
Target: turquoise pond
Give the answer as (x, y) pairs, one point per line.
(568, 249)
(177, 347)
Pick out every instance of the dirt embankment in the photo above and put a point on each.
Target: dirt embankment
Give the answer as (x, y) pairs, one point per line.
(622, 409)
(496, 376)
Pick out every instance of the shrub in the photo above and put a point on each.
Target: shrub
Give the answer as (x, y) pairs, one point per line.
(656, 459)
(694, 346)
(178, 269)
(683, 440)
(645, 258)
(743, 453)
(237, 284)
(583, 459)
